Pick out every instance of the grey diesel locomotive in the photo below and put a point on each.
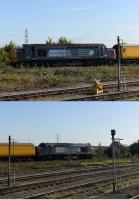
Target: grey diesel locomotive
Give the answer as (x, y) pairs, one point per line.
(52, 151)
(63, 55)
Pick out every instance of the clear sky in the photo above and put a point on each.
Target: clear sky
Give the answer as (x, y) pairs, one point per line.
(74, 122)
(89, 21)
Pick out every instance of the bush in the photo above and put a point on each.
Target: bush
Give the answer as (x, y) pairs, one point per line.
(3, 57)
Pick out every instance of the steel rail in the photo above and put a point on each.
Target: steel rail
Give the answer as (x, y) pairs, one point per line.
(135, 197)
(77, 186)
(53, 182)
(5, 190)
(55, 173)
(66, 188)
(113, 96)
(56, 92)
(74, 196)
(62, 172)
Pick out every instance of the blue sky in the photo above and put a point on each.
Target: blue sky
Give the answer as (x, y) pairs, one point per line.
(89, 21)
(74, 122)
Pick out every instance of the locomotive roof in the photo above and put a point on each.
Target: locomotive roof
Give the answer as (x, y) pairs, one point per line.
(64, 45)
(76, 144)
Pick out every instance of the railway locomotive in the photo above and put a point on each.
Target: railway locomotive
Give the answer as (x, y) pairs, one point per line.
(46, 151)
(51, 55)
(52, 151)
(64, 55)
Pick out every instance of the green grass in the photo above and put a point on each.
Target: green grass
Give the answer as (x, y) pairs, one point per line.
(12, 79)
(28, 167)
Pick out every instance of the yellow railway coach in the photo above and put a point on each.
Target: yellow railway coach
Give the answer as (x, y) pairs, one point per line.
(17, 150)
(130, 52)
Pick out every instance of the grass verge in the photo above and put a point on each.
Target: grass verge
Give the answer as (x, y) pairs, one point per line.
(27, 167)
(13, 79)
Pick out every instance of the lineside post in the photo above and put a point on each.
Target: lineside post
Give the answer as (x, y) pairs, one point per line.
(113, 133)
(119, 64)
(9, 162)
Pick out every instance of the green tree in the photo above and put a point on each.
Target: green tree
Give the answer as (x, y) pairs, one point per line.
(100, 152)
(64, 40)
(61, 40)
(3, 57)
(10, 49)
(50, 41)
(10, 46)
(121, 151)
(134, 148)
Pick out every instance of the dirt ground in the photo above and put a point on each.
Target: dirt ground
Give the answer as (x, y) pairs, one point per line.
(126, 193)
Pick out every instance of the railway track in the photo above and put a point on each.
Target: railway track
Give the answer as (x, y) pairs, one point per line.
(135, 197)
(63, 192)
(86, 90)
(58, 184)
(55, 173)
(112, 96)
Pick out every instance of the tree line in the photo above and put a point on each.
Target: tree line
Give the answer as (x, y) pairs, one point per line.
(121, 151)
(7, 53)
(61, 40)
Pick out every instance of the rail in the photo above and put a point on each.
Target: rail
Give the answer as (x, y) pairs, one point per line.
(113, 96)
(61, 180)
(66, 171)
(135, 197)
(77, 186)
(27, 95)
